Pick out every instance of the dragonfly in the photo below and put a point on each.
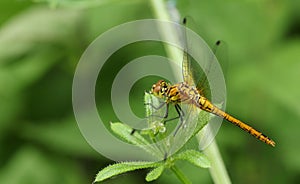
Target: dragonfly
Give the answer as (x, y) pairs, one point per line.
(186, 92)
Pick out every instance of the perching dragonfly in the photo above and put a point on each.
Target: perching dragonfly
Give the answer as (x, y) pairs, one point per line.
(187, 93)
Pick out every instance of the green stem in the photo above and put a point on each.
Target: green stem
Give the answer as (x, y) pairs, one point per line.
(217, 171)
(161, 12)
(180, 175)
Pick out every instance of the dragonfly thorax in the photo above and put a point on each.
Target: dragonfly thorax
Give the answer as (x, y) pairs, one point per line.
(177, 93)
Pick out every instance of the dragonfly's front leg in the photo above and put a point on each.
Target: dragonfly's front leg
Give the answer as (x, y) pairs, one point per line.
(180, 113)
(156, 108)
(178, 110)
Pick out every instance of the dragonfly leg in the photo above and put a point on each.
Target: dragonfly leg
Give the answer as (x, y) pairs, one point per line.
(167, 114)
(180, 115)
(156, 108)
(179, 112)
(167, 111)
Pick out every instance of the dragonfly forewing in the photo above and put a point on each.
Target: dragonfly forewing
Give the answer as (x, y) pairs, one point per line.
(197, 76)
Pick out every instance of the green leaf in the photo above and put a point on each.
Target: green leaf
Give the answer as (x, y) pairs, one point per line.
(124, 131)
(194, 157)
(148, 98)
(155, 173)
(120, 168)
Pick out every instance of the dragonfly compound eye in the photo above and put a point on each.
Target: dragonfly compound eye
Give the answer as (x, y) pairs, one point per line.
(156, 89)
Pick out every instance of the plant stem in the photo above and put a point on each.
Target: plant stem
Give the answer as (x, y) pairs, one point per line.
(161, 12)
(217, 171)
(180, 175)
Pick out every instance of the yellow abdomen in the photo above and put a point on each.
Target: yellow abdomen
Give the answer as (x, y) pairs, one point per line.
(206, 105)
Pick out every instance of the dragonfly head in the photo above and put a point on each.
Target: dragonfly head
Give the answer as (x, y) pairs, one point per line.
(159, 89)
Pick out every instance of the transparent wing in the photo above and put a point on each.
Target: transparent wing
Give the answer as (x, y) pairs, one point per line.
(219, 53)
(186, 62)
(194, 74)
(207, 134)
(197, 75)
(186, 131)
(195, 120)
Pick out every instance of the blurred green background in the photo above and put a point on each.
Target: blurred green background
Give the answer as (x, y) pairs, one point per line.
(42, 41)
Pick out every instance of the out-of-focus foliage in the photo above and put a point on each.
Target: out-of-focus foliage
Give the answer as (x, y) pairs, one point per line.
(41, 43)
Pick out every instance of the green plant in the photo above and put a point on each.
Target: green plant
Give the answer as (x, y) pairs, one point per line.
(194, 157)
(156, 132)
